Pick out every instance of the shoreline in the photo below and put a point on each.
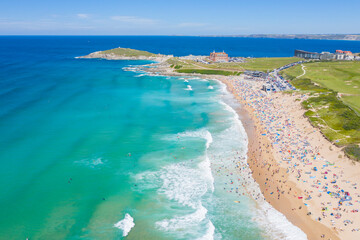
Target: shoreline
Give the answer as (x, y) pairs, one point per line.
(328, 216)
(280, 168)
(311, 228)
(295, 195)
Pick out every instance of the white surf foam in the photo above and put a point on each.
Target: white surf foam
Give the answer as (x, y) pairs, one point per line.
(209, 235)
(206, 170)
(188, 88)
(97, 161)
(279, 227)
(125, 224)
(140, 75)
(131, 68)
(147, 180)
(183, 184)
(204, 165)
(210, 87)
(203, 80)
(183, 222)
(186, 184)
(93, 163)
(274, 222)
(201, 133)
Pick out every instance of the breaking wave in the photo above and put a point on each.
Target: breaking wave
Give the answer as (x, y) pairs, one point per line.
(125, 224)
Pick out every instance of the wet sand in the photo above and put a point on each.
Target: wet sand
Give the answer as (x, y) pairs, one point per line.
(264, 174)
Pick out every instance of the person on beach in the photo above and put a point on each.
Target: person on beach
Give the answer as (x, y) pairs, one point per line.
(322, 183)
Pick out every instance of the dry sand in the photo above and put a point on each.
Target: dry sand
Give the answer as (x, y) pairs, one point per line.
(275, 125)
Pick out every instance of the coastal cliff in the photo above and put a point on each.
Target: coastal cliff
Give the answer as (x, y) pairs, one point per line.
(127, 54)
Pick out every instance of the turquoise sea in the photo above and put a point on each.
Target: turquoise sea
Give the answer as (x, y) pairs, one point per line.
(91, 150)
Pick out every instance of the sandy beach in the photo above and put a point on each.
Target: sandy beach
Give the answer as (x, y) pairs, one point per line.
(300, 173)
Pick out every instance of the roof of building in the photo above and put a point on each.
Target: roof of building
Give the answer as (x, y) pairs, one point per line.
(306, 52)
(345, 52)
(218, 53)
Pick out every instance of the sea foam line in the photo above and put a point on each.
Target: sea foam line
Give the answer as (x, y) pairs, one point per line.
(187, 185)
(125, 224)
(209, 235)
(205, 165)
(273, 221)
(200, 133)
(188, 88)
(182, 222)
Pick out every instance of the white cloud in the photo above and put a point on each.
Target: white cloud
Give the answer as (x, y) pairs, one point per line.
(134, 20)
(82, 15)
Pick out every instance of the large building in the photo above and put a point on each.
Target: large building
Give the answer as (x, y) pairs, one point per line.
(219, 57)
(338, 55)
(344, 52)
(306, 55)
(327, 56)
(344, 55)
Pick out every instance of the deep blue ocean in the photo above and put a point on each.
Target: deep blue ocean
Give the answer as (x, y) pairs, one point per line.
(89, 150)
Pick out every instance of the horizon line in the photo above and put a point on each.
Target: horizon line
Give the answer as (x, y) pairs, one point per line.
(181, 35)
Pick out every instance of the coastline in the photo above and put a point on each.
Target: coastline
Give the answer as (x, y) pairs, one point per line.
(311, 228)
(284, 186)
(329, 217)
(299, 218)
(295, 195)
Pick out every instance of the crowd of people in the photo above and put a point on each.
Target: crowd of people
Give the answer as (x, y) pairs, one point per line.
(326, 191)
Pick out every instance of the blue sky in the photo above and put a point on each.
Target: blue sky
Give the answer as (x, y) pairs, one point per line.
(181, 17)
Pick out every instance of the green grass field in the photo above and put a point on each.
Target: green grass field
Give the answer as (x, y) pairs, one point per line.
(128, 52)
(342, 77)
(334, 105)
(209, 72)
(268, 64)
(258, 64)
(184, 64)
(255, 64)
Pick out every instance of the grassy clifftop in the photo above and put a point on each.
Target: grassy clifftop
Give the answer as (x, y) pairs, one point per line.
(230, 68)
(268, 64)
(128, 52)
(334, 103)
(340, 76)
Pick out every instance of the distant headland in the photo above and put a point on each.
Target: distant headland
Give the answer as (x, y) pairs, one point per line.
(350, 37)
(127, 54)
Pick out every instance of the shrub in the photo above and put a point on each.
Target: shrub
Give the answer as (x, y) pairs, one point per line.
(353, 151)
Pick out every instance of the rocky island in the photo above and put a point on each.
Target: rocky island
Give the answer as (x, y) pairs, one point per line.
(127, 54)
